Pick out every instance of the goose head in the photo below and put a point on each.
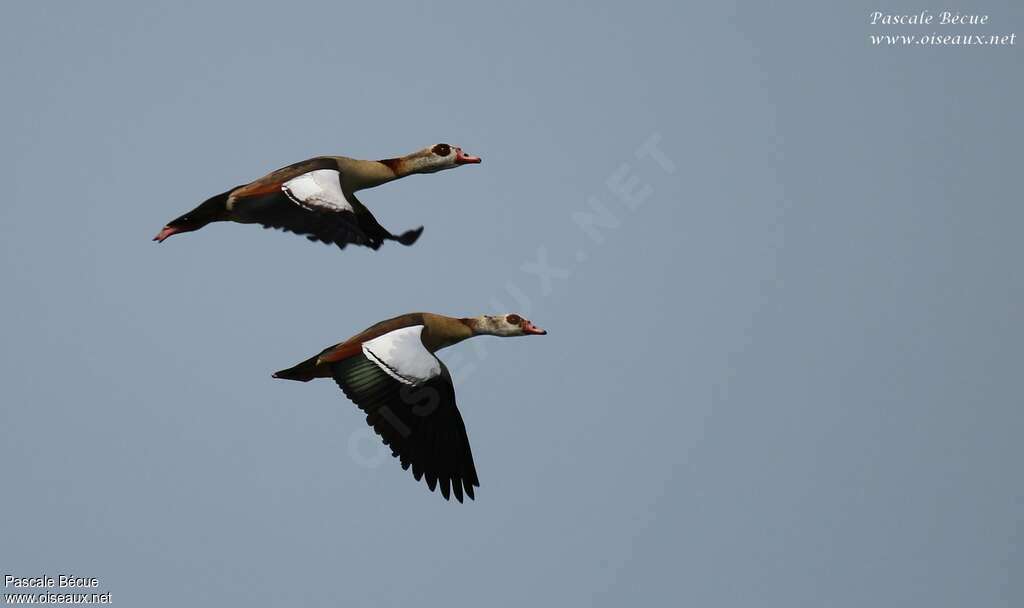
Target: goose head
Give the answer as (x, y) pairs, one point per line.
(437, 158)
(505, 326)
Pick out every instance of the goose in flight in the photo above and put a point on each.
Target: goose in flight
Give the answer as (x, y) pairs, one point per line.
(390, 372)
(316, 198)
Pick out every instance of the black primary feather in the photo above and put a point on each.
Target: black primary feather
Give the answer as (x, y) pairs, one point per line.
(420, 423)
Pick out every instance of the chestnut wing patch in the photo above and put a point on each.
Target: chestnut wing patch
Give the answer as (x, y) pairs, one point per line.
(271, 182)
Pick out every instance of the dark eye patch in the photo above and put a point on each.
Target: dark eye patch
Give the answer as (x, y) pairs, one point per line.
(442, 149)
(514, 319)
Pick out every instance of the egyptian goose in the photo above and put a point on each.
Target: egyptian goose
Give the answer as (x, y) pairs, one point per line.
(391, 373)
(316, 198)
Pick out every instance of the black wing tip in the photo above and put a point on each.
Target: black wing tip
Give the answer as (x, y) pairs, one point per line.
(460, 488)
(410, 236)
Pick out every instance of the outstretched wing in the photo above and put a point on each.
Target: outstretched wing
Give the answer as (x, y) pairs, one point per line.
(377, 233)
(409, 400)
(307, 198)
(310, 203)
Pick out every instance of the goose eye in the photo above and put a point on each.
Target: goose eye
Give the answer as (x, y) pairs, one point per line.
(514, 319)
(442, 149)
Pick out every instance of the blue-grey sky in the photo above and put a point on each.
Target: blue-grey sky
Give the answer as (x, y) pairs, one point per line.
(783, 369)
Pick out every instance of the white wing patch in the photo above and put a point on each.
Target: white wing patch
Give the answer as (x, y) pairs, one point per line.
(317, 190)
(402, 356)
